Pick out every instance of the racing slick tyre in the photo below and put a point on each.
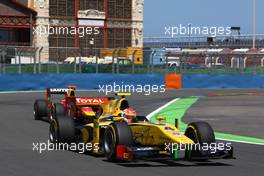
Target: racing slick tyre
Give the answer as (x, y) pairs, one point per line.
(203, 134)
(40, 109)
(58, 110)
(62, 130)
(118, 133)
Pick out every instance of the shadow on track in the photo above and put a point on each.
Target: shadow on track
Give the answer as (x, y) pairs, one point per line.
(169, 163)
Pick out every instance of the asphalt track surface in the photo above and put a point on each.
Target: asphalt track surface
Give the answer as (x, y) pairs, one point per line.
(226, 114)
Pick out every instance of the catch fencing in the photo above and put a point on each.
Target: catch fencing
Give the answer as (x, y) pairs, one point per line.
(33, 60)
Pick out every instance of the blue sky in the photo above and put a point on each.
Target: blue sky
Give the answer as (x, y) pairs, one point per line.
(161, 13)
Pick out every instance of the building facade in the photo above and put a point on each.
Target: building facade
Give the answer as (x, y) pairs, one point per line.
(16, 22)
(81, 23)
(98, 24)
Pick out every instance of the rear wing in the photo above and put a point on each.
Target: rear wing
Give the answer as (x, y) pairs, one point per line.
(69, 92)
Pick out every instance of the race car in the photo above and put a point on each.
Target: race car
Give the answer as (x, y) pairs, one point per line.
(81, 109)
(118, 133)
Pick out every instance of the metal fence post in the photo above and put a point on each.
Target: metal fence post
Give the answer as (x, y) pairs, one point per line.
(80, 60)
(1, 62)
(19, 63)
(149, 60)
(117, 60)
(241, 63)
(152, 61)
(117, 63)
(211, 62)
(80, 65)
(96, 57)
(167, 64)
(180, 65)
(215, 60)
(57, 63)
(57, 66)
(133, 61)
(75, 64)
(182, 58)
(1, 59)
(4, 62)
(113, 61)
(35, 66)
(39, 60)
(184, 61)
(255, 66)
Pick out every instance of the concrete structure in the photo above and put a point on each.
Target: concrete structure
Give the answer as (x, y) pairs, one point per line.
(262, 60)
(241, 60)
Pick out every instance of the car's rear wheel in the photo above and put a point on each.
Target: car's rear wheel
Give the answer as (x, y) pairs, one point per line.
(118, 133)
(201, 133)
(62, 130)
(72, 109)
(58, 110)
(40, 109)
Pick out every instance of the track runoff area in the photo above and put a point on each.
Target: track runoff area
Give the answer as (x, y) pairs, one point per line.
(236, 116)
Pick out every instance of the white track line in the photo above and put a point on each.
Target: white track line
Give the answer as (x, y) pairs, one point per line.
(15, 92)
(238, 141)
(160, 108)
(37, 91)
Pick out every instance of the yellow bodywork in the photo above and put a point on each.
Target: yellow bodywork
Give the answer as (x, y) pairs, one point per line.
(150, 134)
(89, 113)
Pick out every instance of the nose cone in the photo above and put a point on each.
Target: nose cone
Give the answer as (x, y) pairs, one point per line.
(88, 111)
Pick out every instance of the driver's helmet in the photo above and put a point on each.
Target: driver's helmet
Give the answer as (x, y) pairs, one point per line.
(129, 114)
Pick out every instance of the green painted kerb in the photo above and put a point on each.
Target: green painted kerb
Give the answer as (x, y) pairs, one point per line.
(176, 110)
(179, 108)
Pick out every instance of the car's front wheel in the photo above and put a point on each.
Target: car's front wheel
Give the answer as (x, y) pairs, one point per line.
(201, 133)
(118, 133)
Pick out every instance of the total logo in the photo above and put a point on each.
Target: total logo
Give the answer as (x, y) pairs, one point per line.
(90, 100)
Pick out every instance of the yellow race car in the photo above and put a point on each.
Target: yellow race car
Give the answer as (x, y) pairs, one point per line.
(118, 133)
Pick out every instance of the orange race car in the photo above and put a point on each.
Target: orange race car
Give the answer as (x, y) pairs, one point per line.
(82, 109)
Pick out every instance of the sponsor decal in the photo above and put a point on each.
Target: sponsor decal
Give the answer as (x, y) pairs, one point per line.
(145, 149)
(91, 100)
(56, 90)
